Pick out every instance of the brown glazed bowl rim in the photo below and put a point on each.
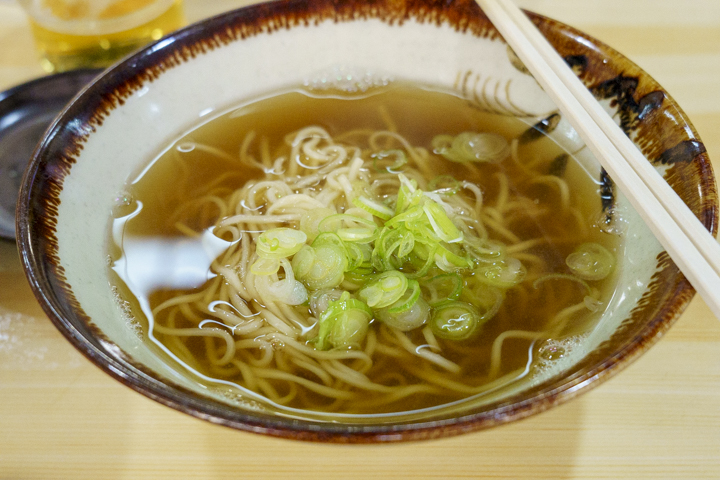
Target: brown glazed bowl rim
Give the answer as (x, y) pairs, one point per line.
(37, 244)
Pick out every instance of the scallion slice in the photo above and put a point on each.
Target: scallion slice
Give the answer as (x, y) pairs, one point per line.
(385, 289)
(280, 242)
(503, 274)
(345, 322)
(406, 303)
(444, 288)
(454, 321)
(408, 313)
(373, 207)
(591, 261)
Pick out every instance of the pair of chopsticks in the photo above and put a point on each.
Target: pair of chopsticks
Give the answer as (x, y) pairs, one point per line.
(689, 244)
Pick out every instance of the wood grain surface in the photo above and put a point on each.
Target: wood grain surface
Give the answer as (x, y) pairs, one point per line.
(61, 417)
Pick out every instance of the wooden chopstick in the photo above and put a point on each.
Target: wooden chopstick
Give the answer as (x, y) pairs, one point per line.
(689, 244)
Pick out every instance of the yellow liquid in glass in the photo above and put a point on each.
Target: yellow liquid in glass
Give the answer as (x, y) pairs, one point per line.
(77, 37)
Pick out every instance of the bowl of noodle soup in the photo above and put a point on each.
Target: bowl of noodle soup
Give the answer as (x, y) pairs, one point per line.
(354, 222)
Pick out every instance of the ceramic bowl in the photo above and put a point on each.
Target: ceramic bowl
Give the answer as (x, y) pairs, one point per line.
(126, 116)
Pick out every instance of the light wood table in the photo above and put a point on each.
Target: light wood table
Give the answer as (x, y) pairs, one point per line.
(61, 417)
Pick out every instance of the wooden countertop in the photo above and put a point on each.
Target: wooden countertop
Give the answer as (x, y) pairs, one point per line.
(61, 417)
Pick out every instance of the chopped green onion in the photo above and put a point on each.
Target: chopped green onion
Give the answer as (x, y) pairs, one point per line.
(359, 235)
(472, 147)
(425, 268)
(444, 288)
(334, 222)
(486, 299)
(288, 290)
(503, 274)
(407, 302)
(591, 261)
(310, 219)
(344, 323)
(280, 242)
(384, 256)
(355, 256)
(357, 253)
(319, 300)
(385, 289)
(455, 321)
(448, 261)
(410, 184)
(408, 313)
(328, 268)
(407, 243)
(364, 253)
(384, 250)
(408, 194)
(303, 261)
(413, 213)
(265, 266)
(484, 250)
(441, 223)
(373, 207)
(441, 143)
(423, 230)
(329, 238)
(350, 328)
(358, 276)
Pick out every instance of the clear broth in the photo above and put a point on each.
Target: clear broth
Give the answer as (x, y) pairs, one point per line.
(144, 239)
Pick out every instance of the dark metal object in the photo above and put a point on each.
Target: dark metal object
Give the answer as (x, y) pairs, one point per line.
(26, 111)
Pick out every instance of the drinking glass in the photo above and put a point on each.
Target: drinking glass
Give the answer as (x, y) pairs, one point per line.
(73, 34)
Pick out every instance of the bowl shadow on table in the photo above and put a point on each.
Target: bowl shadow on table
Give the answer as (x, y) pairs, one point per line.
(542, 446)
